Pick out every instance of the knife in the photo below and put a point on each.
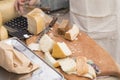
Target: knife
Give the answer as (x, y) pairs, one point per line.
(46, 30)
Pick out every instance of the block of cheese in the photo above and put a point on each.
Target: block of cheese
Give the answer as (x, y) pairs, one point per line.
(68, 65)
(36, 21)
(72, 33)
(61, 50)
(51, 60)
(3, 33)
(7, 10)
(0, 19)
(46, 43)
(63, 27)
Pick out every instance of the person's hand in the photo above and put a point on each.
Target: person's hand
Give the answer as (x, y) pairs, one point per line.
(19, 4)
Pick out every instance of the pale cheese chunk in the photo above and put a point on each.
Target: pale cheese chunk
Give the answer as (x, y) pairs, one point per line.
(51, 60)
(61, 50)
(46, 43)
(72, 33)
(68, 65)
(34, 46)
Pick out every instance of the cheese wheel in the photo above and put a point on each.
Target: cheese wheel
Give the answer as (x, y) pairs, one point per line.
(0, 20)
(7, 10)
(3, 33)
(36, 21)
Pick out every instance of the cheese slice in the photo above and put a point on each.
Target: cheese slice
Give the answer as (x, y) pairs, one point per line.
(3, 33)
(36, 21)
(72, 33)
(46, 43)
(51, 60)
(60, 50)
(0, 19)
(68, 65)
(7, 10)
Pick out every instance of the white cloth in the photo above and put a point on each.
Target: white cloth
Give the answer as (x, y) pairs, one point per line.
(98, 19)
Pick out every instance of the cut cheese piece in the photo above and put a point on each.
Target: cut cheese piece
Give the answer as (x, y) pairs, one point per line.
(81, 65)
(51, 60)
(0, 19)
(36, 21)
(63, 27)
(46, 43)
(72, 33)
(60, 50)
(91, 73)
(3, 33)
(68, 65)
(7, 10)
(34, 46)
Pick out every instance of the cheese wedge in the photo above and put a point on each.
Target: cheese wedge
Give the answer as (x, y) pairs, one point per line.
(0, 20)
(3, 33)
(36, 21)
(51, 60)
(68, 65)
(46, 43)
(72, 33)
(60, 50)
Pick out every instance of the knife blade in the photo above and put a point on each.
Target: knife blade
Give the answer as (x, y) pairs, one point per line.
(46, 30)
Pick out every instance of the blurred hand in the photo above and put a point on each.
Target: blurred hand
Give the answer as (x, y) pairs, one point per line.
(19, 4)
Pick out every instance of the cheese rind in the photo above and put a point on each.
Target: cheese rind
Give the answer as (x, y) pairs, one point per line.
(60, 50)
(36, 21)
(46, 43)
(3, 33)
(72, 33)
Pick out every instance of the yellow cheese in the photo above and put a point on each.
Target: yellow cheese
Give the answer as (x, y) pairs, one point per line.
(72, 33)
(37, 20)
(7, 10)
(3, 33)
(0, 20)
(60, 50)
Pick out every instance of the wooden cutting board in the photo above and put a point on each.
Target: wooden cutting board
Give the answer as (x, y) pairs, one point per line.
(84, 46)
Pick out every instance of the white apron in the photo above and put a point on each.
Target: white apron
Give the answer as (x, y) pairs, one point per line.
(99, 20)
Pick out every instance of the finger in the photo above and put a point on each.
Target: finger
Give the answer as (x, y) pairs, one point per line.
(21, 2)
(21, 9)
(16, 6)
(32, 2)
